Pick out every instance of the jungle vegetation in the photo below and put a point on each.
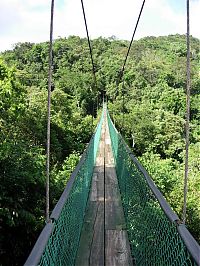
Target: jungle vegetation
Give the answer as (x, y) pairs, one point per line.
(154, 95)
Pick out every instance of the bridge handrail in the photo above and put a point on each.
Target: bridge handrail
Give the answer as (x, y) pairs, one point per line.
(39, 247)
(191, 244)
(58, 208)
(189, 241)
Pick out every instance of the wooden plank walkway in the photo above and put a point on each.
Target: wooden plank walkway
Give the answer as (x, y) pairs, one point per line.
(104, 239)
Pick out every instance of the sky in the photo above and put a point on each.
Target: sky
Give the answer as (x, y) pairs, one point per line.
(28, 20)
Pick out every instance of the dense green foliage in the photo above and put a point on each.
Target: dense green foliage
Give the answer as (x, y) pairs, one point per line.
(154, 117)
(154, 109)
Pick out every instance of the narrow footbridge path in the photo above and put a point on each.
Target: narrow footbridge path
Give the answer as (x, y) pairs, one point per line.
(111, 213)
(104, 239)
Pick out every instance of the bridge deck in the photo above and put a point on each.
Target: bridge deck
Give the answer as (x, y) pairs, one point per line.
(104, 239)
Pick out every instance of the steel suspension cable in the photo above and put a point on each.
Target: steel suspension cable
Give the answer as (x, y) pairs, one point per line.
(187, 122)
(129, 48)
(125, 61)
(123, 105)
(49, 110)
(90, 48)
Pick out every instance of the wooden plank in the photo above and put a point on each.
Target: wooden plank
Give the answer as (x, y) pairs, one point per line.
(97, 248)
(111, 177)
(100, 153)
(97, 188)
(98, 169)
(87, 233)
(114, 216)
(99, 161)
(111, 185)
(109, 160)
(107, 140)
(93, 194)
(112, 193)
(117, 248)
(100, 187)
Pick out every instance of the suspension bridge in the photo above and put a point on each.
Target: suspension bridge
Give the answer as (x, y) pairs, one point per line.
(111, 213)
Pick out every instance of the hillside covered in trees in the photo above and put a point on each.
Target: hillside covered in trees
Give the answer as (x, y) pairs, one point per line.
(154, 112)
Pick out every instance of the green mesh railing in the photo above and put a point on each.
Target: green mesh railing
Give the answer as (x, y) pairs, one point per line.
(154, 234)
(59, 240)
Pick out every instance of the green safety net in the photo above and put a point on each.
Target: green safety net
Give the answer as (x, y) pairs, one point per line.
(63, 242)
(154, 239)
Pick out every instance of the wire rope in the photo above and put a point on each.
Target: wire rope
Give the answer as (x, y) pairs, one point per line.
(90, 49)
(125, 61)
(49, 110)
(129, 48)
(187, 122)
